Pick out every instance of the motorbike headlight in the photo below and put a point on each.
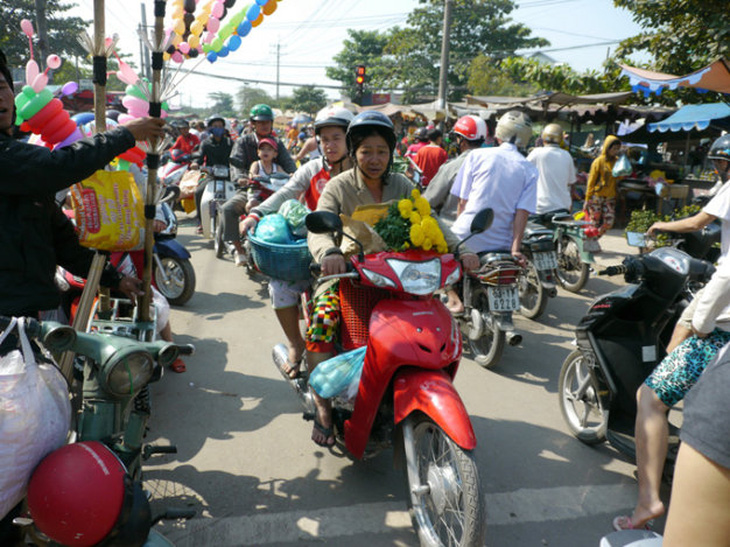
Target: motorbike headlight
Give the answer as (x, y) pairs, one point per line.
(126, 372)
(453, 276)
(417, 277)
(378, 280)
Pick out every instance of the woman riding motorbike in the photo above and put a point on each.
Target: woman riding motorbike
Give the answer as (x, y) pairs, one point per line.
(306, 184)
(370, 142)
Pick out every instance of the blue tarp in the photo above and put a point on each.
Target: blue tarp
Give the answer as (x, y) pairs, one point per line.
(692, 116)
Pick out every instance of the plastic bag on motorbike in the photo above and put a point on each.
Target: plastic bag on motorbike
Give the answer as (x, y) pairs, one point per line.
(35, 414)
(339, 375)
(294, 212)
(622, 167)
(109, 211)
(273, 229)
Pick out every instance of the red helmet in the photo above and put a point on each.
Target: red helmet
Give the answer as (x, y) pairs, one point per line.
(472, 128)
(77, 493)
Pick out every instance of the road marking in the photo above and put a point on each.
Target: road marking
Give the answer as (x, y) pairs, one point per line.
(507, 508)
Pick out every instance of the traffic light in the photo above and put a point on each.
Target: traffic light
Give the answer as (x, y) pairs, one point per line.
(360, 77)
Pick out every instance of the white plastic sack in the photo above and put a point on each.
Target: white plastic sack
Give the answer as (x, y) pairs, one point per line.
(622, 167)
(339, 375)
(35, 414)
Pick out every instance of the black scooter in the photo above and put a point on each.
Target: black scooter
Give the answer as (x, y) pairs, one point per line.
(620, 341)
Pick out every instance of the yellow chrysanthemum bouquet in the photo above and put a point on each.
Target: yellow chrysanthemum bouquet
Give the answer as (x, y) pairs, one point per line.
(409, 225)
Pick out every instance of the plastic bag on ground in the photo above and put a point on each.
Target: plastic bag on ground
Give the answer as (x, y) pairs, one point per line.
(35, 414)
(338, 375)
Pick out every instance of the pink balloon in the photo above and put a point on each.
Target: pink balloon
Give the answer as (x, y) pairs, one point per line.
(39, 83)
(108, 41)
(127, 74)
(53, 61)
(27, 27)
(177, 57)
(213, 25)
(208, 37)
(135, 106)
(31, 71)
(124, 118)
(184, 48)
(217, 10)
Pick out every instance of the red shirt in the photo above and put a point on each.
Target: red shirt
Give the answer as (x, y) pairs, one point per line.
(186, 143)
(429, 159)
(414, 148)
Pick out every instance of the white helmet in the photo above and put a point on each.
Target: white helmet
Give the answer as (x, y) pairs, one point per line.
(552, 133)
(514, 127)
(472, 128)
(332, 115)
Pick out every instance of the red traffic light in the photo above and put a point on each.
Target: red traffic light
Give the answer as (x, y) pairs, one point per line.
(360, 75)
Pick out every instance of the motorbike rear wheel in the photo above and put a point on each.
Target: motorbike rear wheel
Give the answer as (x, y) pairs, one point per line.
(572, 272)
(580, 404)
(180, 285)
(445, 499)
(533, 296)
(488, 348)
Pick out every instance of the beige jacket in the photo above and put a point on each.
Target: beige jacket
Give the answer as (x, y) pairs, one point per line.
(345, 192)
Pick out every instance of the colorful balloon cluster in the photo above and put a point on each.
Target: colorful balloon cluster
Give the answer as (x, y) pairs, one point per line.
(38, 110)
(230, 35)
(186, 30)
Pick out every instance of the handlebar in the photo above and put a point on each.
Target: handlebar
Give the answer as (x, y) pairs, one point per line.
(615, 270)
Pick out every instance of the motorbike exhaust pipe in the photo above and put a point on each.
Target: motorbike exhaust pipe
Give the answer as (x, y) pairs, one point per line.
(513, 338)
(280, 355)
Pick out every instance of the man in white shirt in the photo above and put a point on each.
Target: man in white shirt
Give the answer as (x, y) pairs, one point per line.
(557, 171)
(502, 179)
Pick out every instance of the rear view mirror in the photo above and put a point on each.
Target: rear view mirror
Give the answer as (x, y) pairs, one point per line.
(323, 222)
(482, 220)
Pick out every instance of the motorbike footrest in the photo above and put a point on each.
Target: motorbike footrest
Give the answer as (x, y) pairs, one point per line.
(308, 416)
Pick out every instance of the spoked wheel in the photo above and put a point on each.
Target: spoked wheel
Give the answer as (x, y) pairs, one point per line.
(572, 271)
(487, 348)
(178, 284)
(533, 297)
(445, 499)
(580, 405)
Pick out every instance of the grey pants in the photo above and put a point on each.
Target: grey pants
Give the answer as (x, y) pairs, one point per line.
(232, 209)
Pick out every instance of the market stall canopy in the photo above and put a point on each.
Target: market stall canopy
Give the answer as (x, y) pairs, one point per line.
(390, 109)
(713, 77)
(694, 116)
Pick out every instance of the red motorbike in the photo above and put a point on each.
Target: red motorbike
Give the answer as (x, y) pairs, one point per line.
(406, 398)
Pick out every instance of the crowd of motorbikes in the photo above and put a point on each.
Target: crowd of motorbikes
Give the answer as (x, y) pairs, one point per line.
(406, 399)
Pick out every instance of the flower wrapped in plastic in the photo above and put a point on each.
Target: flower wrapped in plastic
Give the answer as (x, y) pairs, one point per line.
(409, 224)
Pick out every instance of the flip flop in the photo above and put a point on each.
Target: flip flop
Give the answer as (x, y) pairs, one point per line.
(623, 522)
(287, 373)
(328, 432)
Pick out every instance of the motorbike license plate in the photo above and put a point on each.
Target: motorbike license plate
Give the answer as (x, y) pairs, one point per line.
(591, 245)
(545, 261)
(503, 298)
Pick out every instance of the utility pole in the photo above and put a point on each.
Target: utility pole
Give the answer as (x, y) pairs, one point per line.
(144, 59)
(278, 56)
(443, 73)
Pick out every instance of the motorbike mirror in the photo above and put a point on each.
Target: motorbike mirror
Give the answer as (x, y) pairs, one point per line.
(482, 220)
(170, 193)
(323, 222)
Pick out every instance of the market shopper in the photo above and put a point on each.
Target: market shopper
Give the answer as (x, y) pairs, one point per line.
(431, 157)
(556, 169)
(602, 186)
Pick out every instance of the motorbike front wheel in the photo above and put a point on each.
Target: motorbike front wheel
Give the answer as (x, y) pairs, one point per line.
(180, 275)
(580, 404)
(446, 502)
(487, 349)
(572, 272)
(533, 296)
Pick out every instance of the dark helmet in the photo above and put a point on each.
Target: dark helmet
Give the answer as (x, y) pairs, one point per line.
(720, 149)
(421, 134)
(213, 118)
(368, 121)
(262, 113)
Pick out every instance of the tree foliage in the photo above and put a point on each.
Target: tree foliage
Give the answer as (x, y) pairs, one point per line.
(222, 104)
(62, 30)
(680, 35)
(248, 96)
(308, 99)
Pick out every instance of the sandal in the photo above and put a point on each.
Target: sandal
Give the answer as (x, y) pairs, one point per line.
(295, 367)
(624, 522)
(178, 366)
(328, 432)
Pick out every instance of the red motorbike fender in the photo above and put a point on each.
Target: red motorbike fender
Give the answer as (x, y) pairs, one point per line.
(431, 392)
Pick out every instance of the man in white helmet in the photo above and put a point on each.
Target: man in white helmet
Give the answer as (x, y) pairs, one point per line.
(502, 179)
(470, 133)
(557, 171)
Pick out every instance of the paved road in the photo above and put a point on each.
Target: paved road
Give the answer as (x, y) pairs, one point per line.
(246, 463)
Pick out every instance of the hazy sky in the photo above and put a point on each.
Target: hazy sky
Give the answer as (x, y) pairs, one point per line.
(309, 32)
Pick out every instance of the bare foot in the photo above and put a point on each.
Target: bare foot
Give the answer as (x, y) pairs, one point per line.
(322, 433)
(642, 515)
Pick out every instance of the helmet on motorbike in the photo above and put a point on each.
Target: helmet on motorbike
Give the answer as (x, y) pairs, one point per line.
(421, 134)
(552, 133)
(214, 118)
(332, 116)
(514, 127)
(720, 149)
(179, 156)
(369, 122)
(262, 113)
(472, 128)
(271, 142)
(81, 493)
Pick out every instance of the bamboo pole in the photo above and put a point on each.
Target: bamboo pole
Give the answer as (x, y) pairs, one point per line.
(153, 160)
